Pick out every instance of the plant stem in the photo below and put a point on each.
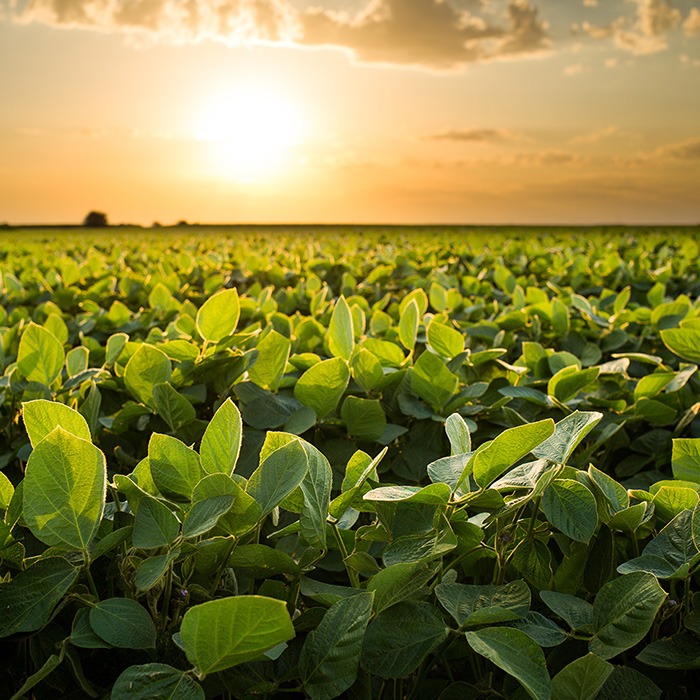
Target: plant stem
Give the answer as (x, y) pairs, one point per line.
(533, 517)
(88, 575)
(352, 574)
(166, 596)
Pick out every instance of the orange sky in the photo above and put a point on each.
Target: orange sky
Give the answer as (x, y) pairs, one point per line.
(398, 111)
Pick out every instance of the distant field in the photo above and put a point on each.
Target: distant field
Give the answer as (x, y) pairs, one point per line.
(457, 460)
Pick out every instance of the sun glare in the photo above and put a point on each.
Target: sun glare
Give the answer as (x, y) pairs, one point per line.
(250, 131)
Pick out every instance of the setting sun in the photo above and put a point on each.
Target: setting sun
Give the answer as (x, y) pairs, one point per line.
(250, 131)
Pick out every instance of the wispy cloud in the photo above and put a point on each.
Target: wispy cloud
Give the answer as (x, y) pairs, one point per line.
(595, 136)
(473, 135)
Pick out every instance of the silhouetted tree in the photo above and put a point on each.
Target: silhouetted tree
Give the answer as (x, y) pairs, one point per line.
(96, 219)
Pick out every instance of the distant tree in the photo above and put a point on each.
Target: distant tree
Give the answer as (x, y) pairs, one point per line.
(96, 219)
(182, 222)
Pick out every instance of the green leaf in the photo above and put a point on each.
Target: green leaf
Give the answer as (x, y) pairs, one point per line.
(364, 418)
(568, 434)
(341, 337)
(316, 487)
(533, 560)
(229, 631)
(174, 466)
(155, 682)
(146, 368)
(684, 342)
(81, 633)
(625, 682)
(204, 515)
(115, 345)
(28, 600)
(172, 406)
(576, 612)
(42, 417)
(458, 434)
(261, 561)
(567, 382)
(322, 386)
(245, 512)
(49, 666)
(7, 490)
(685, 459)
(582, 679)
(278, 475)
(398, 583)
(41, 355)
(64, 490)
(444, 340)
(330, 656)
(399, 638)
(614, 493)
(221, 443)
(367, 370)
(432, 381)
(679, 652)
(273, 354)
(623, 612)
(123, 623)
(509, 447)
(436, 494)
(540, 629)
(408, 325)
(571, 508)
(516, 654)
(218, 315)
(153, 569)
(475, 605)
(155, 525)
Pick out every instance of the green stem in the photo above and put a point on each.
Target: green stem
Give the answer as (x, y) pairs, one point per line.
(166, 596)
(222, 568)
(88, 575)
(352, 574)
(533, 517)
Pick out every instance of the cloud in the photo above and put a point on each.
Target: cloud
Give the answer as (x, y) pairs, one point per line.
(683, 150)
(574, 69)
(428, 33)
(645, 33)
(595, 136)
(478, 135)
(691, 25)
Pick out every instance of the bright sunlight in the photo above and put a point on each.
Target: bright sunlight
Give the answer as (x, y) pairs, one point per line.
(251, 132)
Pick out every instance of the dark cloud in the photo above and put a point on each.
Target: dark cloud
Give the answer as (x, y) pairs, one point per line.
(683, 150)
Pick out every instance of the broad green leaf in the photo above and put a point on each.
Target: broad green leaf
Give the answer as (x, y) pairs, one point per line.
(64, 490)
(571, 508)
(685, 459)
(218, 316)
(155, 525)
(684, 342)
(398, 583)
(411, 549)
(408, 325)
(42, 417)
(576, 612)
(155, 682)
(483, 604)
(567, 382)
(509, 447)
(7, 490)
(49, 666)
(516, 654)
(669, 501)
(174, 466)
(444, 340)
(678, 652)
(326, 593)
(364, 418)
(205, 514)
(76, 359)
(432, 381)
(366, 370)
(623, 612)
(123, 623)
(568, 433)
(278, 475)
(115, 345)
(273, 354)
(261, 561)
(625, 682)
(322, 386)
(533, 560)
(582, 679)
(146, 368)
(81, 633)
(41, 355)
(458, 434)
(540, 629)
(316, 487)
(399, 638)
(245, 512)
(221, 442)
(330, 656)
(615, 494)
(153, 569)
(436, 494)
(341, 337)
(229, 631)
(172, 406)
(28, 600)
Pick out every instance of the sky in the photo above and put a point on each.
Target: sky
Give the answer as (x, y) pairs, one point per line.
(350, 111)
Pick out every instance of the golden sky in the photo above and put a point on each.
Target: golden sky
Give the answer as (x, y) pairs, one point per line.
(377, 111)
